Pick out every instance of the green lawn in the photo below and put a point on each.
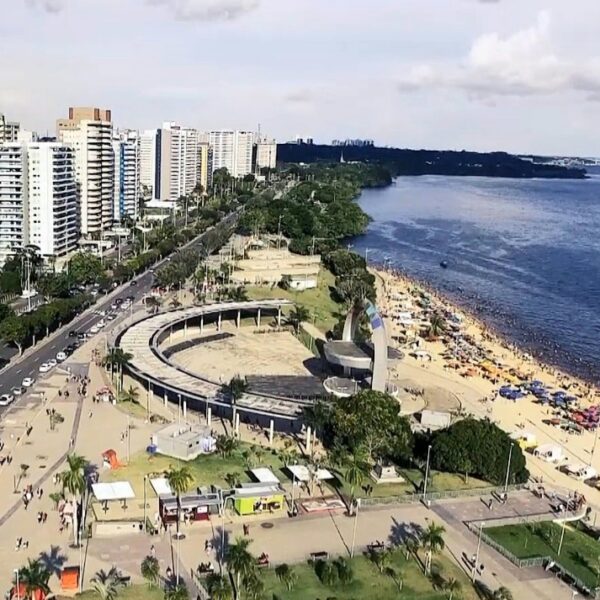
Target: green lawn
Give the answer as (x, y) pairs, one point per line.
(580, 553)
(132, 592)
(370, 584)
(318, 300)
(207, 469)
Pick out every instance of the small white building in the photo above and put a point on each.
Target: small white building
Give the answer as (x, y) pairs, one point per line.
(185, 442)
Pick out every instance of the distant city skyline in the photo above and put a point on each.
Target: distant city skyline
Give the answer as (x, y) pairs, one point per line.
(473, 74)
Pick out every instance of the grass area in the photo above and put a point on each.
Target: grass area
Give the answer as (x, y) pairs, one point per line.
(439, 482)
(370, 584)
(580, 552)
(318, 300)
(207, 469)
(132, 592)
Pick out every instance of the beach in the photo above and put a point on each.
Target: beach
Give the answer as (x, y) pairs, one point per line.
(471, 363)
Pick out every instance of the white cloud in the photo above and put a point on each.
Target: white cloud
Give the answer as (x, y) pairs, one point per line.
(521, 64)
(50, 6)
(207, 10)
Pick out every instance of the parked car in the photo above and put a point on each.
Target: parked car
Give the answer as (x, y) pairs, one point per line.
(61, 356)
(52, 363)
(28, 382)
(17, 391)
(6, 399)
(73, 333)
(44, 367)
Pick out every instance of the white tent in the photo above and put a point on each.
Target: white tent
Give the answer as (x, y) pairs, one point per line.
(264, 475)
(581, 471)
(301, 473)
(119, 490)
(161, 486)
(549, 452)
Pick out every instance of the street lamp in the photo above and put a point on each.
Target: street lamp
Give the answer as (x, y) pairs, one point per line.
(16, 572)
(477, 553)
(426, 472)
(355, 525)
(145, 480)
(508, 468)
(562, 537)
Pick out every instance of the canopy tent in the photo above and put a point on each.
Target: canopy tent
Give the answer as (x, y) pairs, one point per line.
(119, 490)
(549, 452)
(301, 473)
(161, 486)
(264, 475)
(581, 471)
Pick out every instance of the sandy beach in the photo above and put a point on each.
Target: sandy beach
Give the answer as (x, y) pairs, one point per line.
(471, 363)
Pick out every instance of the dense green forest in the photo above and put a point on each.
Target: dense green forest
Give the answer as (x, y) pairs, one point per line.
(428, 162)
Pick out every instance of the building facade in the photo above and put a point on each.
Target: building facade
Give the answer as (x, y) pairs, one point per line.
(53, 214)
(9, 130)
(265, 154)
(205, 168)
(232, 150)
(148, 161)
(89, 132)
(127, 195)
(13, 200)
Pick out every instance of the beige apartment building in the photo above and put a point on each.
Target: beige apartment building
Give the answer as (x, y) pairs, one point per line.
(88, 131)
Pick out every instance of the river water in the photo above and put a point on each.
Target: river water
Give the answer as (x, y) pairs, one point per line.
(524, 255)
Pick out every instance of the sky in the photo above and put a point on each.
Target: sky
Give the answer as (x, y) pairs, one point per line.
(515, 75)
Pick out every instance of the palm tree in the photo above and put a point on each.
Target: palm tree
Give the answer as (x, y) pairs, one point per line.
(34, 577)
(357, 469)
(297, 316)
(235, 388)
(502, 593)
(381, 559)
(74, 481)
(452, 586)
(411, 546)
(150, 569)
(226, 445)
(179, 592)
(232, 479)
(153, 303)
(437, 325)
(286, 575)
(107, 585)
(219, 587)
(240, 561)
(254, 585)
(432, 540)
(117, 358)
(175, 303)
(344, 570)
(317, 416)
(131, 394)
(238, 294)
(179, 481)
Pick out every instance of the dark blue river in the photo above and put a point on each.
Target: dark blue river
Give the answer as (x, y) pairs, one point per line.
(523, 255)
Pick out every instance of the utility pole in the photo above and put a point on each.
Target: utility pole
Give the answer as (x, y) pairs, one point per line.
(508, 468)
(426, 472)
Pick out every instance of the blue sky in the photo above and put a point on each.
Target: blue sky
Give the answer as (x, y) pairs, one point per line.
(517, 75)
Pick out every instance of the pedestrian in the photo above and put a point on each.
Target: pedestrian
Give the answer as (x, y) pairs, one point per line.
(246, 529)
(90, 415)
(152, 551)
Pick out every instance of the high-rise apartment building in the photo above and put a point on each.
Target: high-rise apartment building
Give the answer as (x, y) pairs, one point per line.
(9, 130)
(127, 175)
(53, 214)
(89, 132)
(13, 200)
(265, 154)
(205, 165)
(38, 199)
(148, 161)
(232, 150)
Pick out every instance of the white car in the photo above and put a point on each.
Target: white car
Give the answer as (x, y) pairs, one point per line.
(101, 324)
(6, 399)
(43, 368)
(28, 382)
(52, 363)
(125, 306)
(61, 356)
(94, 329)
(17, 391)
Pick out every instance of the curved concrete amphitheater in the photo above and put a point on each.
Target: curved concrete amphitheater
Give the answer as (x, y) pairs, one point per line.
(153, 340)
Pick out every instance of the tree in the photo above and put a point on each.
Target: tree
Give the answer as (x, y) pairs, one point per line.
(236, 388)
(326, 572)
(240, 561)
(437, 325)
(318, 416)
(344, 570)
(395, 576)
(357, 469)
(286, 575)
(503, 593)
(372, 420)
(150, 569)
(153, 303)
(85, 268)
(108, 584)
(432, 540)
(381, 559)
(480, 448)
(13, 330)
(131, 394)
(453, 587)
(219, 587)
(47, 315)
(54, 285)
(179, 592)
(179, 482)
(297, 316)
(73, 480)
(34, 576)
(226, 445)
(117, 358)
(232, 479)
(238, 294)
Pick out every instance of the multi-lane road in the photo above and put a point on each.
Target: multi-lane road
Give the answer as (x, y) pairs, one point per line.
(13, 374)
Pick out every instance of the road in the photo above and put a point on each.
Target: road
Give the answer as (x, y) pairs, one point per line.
(13, 374)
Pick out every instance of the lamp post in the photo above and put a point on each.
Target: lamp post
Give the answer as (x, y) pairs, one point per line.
(562, 537)
(426, 472)
(145, 479)
(16, 572)
(508, 468)
(355, 526)
(594, 446)
(477, 553)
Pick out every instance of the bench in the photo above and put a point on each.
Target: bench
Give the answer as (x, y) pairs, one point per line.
(322, 555)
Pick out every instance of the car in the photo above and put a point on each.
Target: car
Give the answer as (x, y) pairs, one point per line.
(6, 399)
(17, 391)
(44, 367)
(81, 336)
(28, 382)
(60, 356)
(114, 306)
(130, 298)
(111, 317)
(118, 301)
(52, 363)
(73, 333)
(100, 324)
